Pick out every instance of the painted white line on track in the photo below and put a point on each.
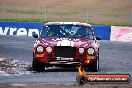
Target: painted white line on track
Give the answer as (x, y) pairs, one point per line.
(16, 84)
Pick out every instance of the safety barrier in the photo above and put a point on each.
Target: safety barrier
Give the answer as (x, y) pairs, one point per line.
(112, 33)
(121, 34)
(102, 31)
(20, 28)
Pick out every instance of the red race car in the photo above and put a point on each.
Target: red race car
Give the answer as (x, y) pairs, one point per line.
(66, 44)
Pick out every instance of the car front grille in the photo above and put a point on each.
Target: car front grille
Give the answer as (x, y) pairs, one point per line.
(65, 51)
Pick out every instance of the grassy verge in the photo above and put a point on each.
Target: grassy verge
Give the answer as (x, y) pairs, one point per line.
(23, 20)
(42, 20)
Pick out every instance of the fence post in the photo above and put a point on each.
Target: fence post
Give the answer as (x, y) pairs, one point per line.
(130, 16)
(45, 14)
(87, 20)
(4, 9)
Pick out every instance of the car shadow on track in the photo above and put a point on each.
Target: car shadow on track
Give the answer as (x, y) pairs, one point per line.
(59, 69)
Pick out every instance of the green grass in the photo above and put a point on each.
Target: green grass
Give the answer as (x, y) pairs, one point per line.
(112, 14)
(64, 11)
(23, 20)
(26, 11)
(42, 20)
(50, 11)
(111, 24)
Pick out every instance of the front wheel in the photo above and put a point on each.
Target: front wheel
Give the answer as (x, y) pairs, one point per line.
(94, 67)
(81, 80)
(37, 66)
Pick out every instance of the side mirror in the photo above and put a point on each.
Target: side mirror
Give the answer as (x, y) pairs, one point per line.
(35, 35)
(98, 38)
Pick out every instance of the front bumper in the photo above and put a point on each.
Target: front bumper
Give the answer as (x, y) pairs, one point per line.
(49, 60)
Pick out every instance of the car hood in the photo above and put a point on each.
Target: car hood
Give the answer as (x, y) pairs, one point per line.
(73, 42)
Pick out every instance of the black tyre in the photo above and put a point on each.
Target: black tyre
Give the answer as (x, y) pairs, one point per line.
(37, 66)
(81, 80)
(94, 67)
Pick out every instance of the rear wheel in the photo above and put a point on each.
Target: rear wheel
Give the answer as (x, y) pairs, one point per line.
(94, 67)
(37, 66)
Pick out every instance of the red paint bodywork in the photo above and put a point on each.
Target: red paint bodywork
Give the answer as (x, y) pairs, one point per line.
(52, 42)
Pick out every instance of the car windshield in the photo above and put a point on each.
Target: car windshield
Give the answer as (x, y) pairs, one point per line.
(68, 31)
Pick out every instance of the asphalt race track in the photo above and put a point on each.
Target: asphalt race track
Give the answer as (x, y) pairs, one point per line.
(115, 57)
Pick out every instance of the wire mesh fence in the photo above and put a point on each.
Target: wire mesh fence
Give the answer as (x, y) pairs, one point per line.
(22, 10)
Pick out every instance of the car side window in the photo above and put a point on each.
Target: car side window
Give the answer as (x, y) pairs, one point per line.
(89, 34)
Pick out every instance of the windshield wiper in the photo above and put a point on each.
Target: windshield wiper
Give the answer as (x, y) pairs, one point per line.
(63, 35)
(81, 36)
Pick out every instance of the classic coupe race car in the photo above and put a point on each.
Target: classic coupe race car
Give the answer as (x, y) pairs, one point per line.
(66, 44)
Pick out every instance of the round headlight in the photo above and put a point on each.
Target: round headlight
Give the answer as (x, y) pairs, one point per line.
(49, 49)
(81, 50)
(40, 49)
(91, 51)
